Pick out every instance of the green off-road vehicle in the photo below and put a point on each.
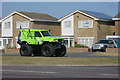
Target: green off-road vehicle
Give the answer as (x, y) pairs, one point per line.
(40, 43)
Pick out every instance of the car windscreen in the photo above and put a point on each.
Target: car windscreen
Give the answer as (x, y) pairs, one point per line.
(103, 41)
(45, 33)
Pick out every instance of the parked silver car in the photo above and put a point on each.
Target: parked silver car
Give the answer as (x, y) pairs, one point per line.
(102, 44)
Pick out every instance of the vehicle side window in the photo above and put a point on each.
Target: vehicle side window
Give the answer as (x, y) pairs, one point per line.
(37, 34)
(111, 42)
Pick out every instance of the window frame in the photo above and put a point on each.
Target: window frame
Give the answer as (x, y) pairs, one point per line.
(22, 24)
(7, 26)
(67, 24)
(81, 23)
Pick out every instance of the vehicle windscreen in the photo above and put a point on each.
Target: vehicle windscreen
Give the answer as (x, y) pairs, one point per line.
(103, 41)
(45, 33)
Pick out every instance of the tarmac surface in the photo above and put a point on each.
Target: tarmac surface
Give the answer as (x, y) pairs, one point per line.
(23, 71)
(60, 72)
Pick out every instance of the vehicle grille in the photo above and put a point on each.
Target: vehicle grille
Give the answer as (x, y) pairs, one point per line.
(97, 45)
(59, 39)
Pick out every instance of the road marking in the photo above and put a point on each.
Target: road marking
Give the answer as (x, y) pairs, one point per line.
(109, 74)
(30, 71)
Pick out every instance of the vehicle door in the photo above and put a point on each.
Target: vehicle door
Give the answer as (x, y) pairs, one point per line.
(111, 44)
(38, 37)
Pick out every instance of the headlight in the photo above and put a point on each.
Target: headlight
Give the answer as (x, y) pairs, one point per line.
(55, 40)
(102, 45)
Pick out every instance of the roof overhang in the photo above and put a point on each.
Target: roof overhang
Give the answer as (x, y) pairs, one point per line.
(43, 20)
(76, 12)
(105, 19)
(15, 12)
(115, 18)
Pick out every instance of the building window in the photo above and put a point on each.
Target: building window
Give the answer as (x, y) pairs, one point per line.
(67, 24)
(4, 42)
(86, 41)
(85, 24)
(7, 25)
(23, 24)
(9, 42)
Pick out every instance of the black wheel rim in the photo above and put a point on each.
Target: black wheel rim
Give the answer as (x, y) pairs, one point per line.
(46, 51)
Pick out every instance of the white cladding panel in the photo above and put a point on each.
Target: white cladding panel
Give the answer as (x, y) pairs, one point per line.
(7, 29)
(68, 26)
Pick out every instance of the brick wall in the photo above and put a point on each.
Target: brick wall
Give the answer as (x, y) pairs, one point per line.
(53, 27)
(84, 32)
(105, 28)
(117, 27)
(0, 30)
(113, 50)
(99, 31)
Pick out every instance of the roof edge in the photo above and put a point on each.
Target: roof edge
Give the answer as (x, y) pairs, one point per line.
(43, 20)
(79, 12)
(15, 12)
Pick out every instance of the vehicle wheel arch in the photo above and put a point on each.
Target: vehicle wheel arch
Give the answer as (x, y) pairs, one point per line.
(23, 42)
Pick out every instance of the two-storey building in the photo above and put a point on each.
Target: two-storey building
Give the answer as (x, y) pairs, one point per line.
(85, 27)
(11, 24)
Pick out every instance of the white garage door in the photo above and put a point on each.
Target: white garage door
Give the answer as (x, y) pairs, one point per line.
(86, 41)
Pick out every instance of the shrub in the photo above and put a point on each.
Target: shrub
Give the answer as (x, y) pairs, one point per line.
(81, 46)
(10, 47)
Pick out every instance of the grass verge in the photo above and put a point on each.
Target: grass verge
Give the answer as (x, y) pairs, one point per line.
(57, 60)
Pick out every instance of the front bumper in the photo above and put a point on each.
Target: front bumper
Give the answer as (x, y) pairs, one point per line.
(58, 45)
(97, 49)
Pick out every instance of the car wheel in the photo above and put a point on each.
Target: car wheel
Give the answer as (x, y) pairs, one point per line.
(37, 51)
(25, 50)
(93, 50)
(60, 52)
(47, 50)
(104, 49)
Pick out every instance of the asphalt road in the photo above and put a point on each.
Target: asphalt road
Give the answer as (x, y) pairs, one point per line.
(60, 72)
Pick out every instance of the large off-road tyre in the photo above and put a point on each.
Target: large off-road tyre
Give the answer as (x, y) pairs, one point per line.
(26, 50)
(48, 50)
(37, 51)
(60, 52)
